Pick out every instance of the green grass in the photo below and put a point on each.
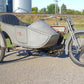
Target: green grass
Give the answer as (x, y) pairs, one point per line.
(78, 20)
(8, 43)
(80, 28)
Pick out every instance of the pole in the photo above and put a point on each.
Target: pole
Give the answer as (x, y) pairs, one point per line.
(56, 4)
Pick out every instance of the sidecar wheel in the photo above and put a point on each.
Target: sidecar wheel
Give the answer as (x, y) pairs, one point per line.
(77, 56)
(2, 54)
(2, 46)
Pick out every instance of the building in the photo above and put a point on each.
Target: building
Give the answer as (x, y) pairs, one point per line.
(2, 5)
(22, 6)
(10, 6)
(17, 6)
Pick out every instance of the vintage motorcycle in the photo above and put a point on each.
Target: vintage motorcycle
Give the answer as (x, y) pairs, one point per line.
(41, 37)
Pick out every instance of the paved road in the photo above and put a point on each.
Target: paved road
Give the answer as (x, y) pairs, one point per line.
(42, 69)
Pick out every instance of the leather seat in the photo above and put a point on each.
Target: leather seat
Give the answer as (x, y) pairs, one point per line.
(12, 20)
(9, 19)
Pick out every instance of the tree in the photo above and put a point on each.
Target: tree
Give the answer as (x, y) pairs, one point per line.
(77, 13)
(43, 10)
(51, 9)
(83, 12)
(34, 10)
(74, 12)
(69, 11)
(63, 9)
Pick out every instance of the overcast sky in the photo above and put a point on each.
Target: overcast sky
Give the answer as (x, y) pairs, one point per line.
(71, 4)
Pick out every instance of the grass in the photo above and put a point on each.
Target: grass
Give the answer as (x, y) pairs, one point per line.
(80, 28)
(78, 20)
(8, 43)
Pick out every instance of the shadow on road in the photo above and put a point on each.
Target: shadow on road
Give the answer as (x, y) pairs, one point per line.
(22, 55)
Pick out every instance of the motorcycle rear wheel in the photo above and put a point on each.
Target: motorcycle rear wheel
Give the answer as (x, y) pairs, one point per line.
(77, 56)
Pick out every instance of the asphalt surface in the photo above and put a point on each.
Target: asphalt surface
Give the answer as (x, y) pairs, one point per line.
(43, 69)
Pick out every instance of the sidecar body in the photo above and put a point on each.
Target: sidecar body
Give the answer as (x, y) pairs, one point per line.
(36, 35)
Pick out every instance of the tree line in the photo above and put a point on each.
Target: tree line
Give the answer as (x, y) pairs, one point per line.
(51, 10)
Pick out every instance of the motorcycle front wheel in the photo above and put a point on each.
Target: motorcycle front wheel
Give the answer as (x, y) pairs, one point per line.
(77, 55)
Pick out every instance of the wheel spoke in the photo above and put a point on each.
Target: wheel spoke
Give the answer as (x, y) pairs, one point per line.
(76, 54)
(0, 49)
(81, 59)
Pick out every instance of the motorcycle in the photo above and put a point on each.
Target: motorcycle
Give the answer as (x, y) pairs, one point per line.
(41, 37)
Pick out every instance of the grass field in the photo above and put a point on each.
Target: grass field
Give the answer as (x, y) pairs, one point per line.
(78, 21)
(80, 28)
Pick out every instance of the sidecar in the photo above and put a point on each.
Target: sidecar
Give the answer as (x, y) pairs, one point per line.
(36, 35)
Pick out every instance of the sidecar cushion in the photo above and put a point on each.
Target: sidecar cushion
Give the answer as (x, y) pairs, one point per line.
(9, 19)
(12, 20)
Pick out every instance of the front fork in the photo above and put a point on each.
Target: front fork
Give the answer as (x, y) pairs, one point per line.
(72, 34)
(76, 43)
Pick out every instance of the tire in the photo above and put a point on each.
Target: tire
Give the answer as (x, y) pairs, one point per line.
(2, 54)
(77, 57)
(2, 47)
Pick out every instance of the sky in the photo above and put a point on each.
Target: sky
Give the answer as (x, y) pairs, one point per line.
(70, 4)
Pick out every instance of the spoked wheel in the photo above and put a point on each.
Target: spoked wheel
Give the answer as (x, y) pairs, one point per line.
(2, 53)
(2, 49)
(77, 55)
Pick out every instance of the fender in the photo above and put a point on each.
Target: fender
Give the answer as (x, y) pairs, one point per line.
(68, 41)
(2, 40)
(6, 36)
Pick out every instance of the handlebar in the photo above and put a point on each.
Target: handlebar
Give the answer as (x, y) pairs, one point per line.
(61, 18)
(50, 17)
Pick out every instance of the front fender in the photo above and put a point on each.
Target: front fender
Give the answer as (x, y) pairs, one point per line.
(68, 41)
(2, 40)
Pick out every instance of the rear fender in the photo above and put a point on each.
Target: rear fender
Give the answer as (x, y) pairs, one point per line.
(6, 36)
(68, 41)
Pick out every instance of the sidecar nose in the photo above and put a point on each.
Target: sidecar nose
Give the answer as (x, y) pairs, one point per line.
(42, 27)
(41, 35)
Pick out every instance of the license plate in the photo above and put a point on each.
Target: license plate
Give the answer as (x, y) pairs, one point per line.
(58, 28)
